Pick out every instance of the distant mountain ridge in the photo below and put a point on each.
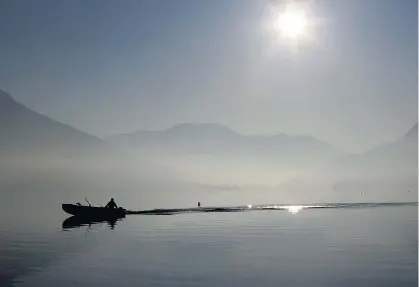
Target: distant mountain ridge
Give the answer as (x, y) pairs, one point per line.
(25, 132)
(211, 153)
(389, 170)
(413, 132)
(36, 149)
(204, 153)
(211, 138)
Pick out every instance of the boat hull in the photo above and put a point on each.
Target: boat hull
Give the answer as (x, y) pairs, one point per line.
(90, 212)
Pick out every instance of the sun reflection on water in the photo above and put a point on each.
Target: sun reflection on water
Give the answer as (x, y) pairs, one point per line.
(294, 208)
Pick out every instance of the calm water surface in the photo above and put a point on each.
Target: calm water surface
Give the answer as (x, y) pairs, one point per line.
(362, 246)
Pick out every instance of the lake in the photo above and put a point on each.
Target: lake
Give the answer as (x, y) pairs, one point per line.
(343, 245)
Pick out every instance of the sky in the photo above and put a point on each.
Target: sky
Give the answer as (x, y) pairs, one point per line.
(108, 67)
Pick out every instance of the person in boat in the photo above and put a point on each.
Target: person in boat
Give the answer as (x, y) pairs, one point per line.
(111, 204)
(199, 204)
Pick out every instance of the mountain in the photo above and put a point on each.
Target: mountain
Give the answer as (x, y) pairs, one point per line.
(412, 133)
(183, 138)
(24, 133)
(401, 153)
(216, 139)
(39, 153)
(214, 154)
(388, 171)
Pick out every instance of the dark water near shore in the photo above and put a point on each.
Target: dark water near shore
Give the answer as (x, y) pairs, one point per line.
(317, 245)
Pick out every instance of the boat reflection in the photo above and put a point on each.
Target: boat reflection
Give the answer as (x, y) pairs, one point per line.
(76, 222)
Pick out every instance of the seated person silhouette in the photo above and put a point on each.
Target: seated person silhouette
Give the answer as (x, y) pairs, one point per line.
(111, 204)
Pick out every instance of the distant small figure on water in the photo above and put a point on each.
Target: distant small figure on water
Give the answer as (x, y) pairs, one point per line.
(111, 204)
(199, 204)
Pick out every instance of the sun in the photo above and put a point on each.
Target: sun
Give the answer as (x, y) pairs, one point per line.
(292, 23)
(293, 26)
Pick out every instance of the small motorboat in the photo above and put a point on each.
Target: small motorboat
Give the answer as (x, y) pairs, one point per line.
(93, 212)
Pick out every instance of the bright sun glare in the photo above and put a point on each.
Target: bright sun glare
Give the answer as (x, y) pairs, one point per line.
(292, 23)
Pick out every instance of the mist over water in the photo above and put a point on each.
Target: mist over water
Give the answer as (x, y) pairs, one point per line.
(46, 160)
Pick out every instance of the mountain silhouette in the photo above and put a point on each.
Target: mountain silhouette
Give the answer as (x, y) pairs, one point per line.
(386, 171)
(28, 133)
(413, 132)
(202, 153)
(38, 152)
(211, 153)
(216, 139)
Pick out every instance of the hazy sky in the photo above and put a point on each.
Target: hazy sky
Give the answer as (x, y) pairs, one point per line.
(108, 66)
